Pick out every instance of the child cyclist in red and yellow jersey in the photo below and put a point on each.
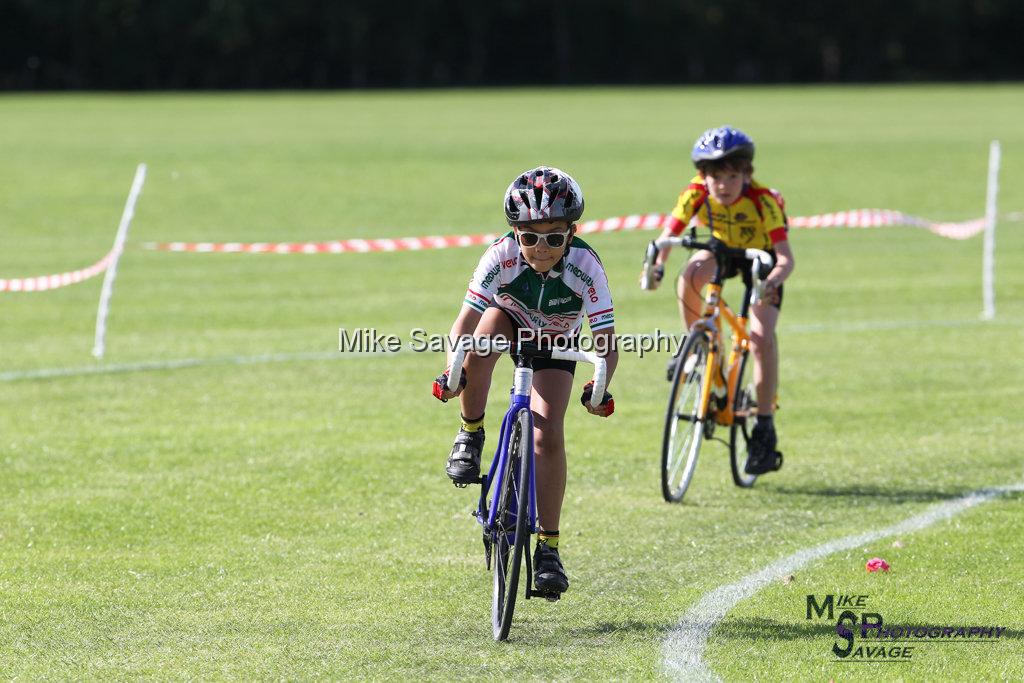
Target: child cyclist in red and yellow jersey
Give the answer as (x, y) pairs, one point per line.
(742, 213)
(538, 277)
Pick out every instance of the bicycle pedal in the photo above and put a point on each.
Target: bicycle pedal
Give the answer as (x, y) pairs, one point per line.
(550, 597)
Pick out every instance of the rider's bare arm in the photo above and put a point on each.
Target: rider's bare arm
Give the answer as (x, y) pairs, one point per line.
(784, 264)
(465, 324)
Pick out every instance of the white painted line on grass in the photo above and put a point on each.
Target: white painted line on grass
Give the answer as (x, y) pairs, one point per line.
(177, 364)
(684, 648)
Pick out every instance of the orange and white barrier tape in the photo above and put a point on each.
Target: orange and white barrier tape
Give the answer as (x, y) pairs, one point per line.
(332, 247)
(42, 283)
(875, 218)
(860, 218)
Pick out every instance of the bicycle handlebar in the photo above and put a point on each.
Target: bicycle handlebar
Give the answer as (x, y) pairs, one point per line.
(758, 257)
(483, 345)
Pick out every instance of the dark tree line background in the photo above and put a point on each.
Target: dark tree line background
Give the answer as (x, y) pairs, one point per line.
(181, 44)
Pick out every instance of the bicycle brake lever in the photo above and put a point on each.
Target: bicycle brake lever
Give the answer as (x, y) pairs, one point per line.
(650, 256)
(757, 293)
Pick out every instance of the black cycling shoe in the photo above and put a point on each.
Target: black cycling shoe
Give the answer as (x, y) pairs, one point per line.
(548, 574)
(464, 460)
(761, 454)
(670, 369)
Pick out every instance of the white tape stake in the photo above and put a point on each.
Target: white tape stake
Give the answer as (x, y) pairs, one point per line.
(99, 346)
(988, 266)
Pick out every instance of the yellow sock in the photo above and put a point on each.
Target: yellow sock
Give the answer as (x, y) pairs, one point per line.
(548, 538)
(472, 425)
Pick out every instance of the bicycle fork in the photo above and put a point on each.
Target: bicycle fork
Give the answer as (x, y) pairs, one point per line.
(497, 472)
(483, 514)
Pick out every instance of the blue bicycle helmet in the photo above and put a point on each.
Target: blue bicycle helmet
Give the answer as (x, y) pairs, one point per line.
(722, 143)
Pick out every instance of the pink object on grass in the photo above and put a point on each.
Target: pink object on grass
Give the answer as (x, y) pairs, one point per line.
(876, 563)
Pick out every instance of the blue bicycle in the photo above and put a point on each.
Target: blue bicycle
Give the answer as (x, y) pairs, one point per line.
(509, 518)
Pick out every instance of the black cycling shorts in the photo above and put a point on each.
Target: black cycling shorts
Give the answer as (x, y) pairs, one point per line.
(538, 363)
(738, 266)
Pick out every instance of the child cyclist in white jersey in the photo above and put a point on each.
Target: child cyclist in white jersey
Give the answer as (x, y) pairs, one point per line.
(542, 278)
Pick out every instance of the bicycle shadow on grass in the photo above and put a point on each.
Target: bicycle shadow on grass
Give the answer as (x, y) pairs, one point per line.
(628, 626)
(738, 629)
(593, 636)
(869, 492)
(749, 629)
(761, 628)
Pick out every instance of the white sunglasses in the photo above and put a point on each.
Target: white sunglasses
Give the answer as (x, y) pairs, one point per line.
(553, 239)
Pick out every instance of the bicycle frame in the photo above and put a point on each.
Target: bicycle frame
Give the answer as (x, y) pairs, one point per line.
(715, 307)
(520, 401)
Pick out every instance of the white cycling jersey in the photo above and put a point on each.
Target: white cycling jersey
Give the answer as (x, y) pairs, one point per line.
(553, 303)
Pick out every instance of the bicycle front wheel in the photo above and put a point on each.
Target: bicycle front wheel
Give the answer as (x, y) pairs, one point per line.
(511, 533)
(744, 410)
(684, 432)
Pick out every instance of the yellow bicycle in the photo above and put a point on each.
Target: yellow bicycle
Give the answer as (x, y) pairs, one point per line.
(707, 392)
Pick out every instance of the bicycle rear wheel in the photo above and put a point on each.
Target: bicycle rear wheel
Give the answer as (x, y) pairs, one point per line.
(684, 432)
(511, 533)
(744, 409)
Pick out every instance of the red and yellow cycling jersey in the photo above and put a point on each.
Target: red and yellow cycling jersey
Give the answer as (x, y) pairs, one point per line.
(756, 220)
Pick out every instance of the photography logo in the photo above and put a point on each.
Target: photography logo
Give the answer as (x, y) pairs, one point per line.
(862, 635)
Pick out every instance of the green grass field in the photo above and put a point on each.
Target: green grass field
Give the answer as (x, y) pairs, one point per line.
(292, 519)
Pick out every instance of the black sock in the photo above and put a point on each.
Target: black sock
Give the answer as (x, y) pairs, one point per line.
(765, 421)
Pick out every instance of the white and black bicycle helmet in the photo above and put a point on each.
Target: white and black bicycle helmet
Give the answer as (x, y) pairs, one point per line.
(543, 194)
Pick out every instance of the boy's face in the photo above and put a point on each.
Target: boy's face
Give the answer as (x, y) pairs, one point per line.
(540, 256)
(726, 184)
